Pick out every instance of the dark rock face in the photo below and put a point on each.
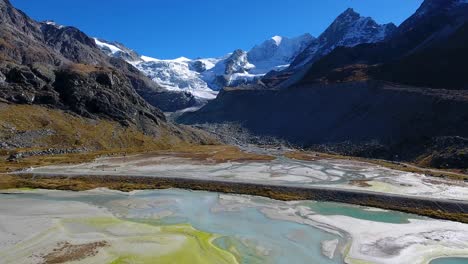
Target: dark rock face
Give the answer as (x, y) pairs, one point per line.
(449, 152)
(102, 92)
(72, 44)
(198, 66)
(62, 67)
(236, 62)
(169, 101)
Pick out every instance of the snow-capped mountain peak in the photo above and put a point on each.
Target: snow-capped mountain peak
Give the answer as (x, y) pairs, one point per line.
(348, 14)
(277, 52)
(203, 77)
(277, 40)
(349, 29)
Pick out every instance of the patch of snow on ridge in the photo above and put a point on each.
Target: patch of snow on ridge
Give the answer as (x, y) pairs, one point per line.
(53, 23)
(277, 39)
(102, 45)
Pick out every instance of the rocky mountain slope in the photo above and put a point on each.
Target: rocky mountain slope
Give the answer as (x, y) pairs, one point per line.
(348, 30)
(403, 98)
(62, 68)
(428, 50)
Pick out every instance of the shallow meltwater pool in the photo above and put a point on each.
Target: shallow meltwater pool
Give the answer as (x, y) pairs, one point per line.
(450, 261)
(104, 226)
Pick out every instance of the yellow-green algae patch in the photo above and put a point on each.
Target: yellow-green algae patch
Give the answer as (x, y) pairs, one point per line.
(147, 243)
(128, 242)
(243, 252)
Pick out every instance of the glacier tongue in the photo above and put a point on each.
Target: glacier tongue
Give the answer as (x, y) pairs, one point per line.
(178, 74)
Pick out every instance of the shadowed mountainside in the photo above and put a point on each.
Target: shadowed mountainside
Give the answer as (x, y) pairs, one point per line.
(428, 49)
(370, 119)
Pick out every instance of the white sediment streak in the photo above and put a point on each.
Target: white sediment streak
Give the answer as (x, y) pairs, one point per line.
(329, 248)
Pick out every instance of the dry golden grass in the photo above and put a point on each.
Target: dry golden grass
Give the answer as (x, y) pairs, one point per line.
(83, 68)
(4, 44)
(74, 131)
(101, 137)
(216, 153)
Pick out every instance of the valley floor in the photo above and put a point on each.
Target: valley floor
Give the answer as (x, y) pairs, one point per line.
(99, 225)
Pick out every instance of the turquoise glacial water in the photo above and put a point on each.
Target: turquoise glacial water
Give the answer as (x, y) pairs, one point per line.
(280, 241)
(243, 226)
(450, 261)
(358, 212)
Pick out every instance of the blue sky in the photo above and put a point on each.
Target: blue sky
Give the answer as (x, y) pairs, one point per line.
(205, 28)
